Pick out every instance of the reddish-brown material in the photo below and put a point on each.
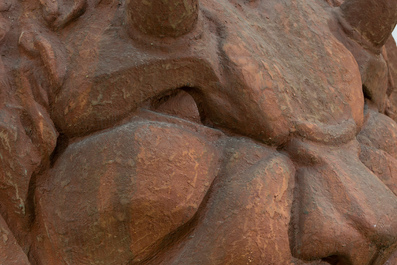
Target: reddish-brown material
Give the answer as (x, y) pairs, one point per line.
(185, 132)
(163, 18)
(374, 20)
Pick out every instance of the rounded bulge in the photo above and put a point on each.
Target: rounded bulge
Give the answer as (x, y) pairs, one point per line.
(298, 80)
(127, 188)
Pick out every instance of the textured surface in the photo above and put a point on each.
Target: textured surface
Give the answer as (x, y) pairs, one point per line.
(185, 132)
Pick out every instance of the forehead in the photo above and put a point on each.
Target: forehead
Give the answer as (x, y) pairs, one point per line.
(279, 58)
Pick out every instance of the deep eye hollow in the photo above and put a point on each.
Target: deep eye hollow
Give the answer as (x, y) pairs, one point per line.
(179, 103)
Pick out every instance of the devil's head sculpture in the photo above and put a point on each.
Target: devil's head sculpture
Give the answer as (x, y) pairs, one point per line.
(186, 132)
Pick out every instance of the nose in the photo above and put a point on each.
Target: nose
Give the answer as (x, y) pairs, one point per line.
(343, 213)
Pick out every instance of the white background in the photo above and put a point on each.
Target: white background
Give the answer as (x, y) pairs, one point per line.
(395, 33)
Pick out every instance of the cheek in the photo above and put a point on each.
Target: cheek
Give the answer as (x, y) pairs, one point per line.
(126, 188)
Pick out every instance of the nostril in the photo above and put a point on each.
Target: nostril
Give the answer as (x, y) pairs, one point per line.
(345, 215)
(336, 260)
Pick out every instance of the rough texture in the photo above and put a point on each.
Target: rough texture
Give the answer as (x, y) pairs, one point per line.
(11, 253)
(163, 18)
(185, 132)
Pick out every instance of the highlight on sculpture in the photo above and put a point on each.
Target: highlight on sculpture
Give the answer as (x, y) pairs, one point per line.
(198, 132)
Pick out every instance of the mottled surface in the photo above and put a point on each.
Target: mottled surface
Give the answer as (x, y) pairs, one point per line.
(185, 132)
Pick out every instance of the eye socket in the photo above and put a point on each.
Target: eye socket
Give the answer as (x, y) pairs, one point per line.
(177, 103)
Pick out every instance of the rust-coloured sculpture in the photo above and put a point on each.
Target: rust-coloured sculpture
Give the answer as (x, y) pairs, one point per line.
(186, 132)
